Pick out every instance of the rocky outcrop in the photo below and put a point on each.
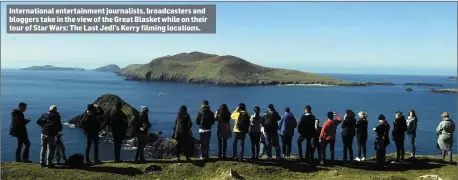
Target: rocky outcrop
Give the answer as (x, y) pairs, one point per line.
(380, 84)
(409, 89)
(107, 102)
(452, 77)
(421, 84)
(445, 91)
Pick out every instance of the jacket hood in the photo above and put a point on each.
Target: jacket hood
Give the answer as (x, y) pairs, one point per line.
(53, 113)
(401, 118)
(143, 108)
(364, 119)
(205, 107)
(15, 111)
(288, 114)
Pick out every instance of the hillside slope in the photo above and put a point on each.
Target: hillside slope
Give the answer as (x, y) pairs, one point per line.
(219, 170)
(108, 68)
(51, 68)
(202, 68)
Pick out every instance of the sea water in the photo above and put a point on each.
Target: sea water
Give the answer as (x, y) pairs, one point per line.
(72, 91)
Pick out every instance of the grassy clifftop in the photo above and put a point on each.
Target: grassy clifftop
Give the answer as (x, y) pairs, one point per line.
(202, 68)
(424, 165)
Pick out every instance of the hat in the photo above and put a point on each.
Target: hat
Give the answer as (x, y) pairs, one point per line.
(205, 102)
(445, 115)
(381, 117)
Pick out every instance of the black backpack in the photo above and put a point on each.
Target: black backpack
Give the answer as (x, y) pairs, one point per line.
(76, 161)
(243, 123)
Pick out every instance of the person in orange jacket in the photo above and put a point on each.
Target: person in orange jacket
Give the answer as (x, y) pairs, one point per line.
(328, 134)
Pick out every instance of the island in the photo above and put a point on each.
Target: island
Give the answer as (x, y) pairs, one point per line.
(421, 84)
(409, 89)
(445, 91)
(51, 68)
(452, 77)
(227, 70)
(108, 68)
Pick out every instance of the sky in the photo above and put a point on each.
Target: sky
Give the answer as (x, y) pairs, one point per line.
(322, 37)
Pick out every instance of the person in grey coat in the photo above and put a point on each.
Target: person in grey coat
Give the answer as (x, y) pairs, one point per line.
(445, 132)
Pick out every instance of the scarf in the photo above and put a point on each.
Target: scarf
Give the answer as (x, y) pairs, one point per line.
(410, 119)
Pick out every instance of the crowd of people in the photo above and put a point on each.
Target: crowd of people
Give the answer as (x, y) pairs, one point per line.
(265, 131)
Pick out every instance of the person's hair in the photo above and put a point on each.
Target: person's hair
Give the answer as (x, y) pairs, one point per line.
(361, 114)
(257, 109)
(183, 109)
(271, 107)
(330, 115)
(414, 114)
(445, 115)
(350, 113)
(90, 107)
(53, 108)
(399, 113)
(22, 104)
(287, 110)
(206, 102)
(223, 110)
(381, 117)
(242, 106)
(308, 108)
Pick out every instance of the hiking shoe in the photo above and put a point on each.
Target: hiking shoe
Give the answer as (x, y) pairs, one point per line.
(51, 166)
(43, 165)
(27, 161)
(321, 162)
(88, 162)
(357, 159)
(98, 162)
(363, 159)
(188, 159)
(394, 162)
(269, 158)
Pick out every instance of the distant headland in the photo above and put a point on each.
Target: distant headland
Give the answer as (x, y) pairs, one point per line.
(51, 68)
(211, 69)
(108, 68)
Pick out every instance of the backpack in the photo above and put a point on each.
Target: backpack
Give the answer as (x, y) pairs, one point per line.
(205, 116)
(271, 119)
(243, 122)
(76, 161)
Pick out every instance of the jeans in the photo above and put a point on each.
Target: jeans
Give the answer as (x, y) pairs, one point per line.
(117, 146)
(362, 146)
(286, 144)
(399, 149)
(22, 140)
(205, 143)
(348, 147)
(444, 153)
(238, 136)
(308, 150)
(255, 137)
(47, 149)
(92, 139)
(142, 140)
(324, 144)
(272, 141)
(412, 137)
(222, 147)
(316, 147)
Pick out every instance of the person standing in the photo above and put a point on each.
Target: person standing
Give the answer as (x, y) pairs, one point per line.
(51, 125)
(412, 121)
(287, 125)
(119, 124)
(316, 146)
(328, 135)
(398, 133)
(183, 124)
(223, 116)
(241, 128)
(382, 140)
(361, 135)
(255, 133)
(92, 126)
(306, 132)
(348, 134)
(141, 132)
(271, 118)
(205, 119)
(18, 129)
(445, 131)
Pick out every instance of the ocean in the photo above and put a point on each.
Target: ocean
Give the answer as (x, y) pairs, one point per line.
(72, 91)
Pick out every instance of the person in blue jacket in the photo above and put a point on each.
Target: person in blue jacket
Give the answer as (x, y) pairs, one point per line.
(287, 125)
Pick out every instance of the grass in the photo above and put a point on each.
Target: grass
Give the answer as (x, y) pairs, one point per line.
(223, 69)
(292, 169)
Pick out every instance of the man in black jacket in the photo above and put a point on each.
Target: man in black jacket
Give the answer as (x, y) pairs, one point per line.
(51, 125)
(348, 134)
(205, 119)
(306, 130)
(18, 129)
(118, 123)
(92, 126)
(270, 123)
(398, 133)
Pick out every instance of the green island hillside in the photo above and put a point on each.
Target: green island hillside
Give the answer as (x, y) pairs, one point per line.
(108, 68)
(202, 68)
(51, 68)
(424, 167)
